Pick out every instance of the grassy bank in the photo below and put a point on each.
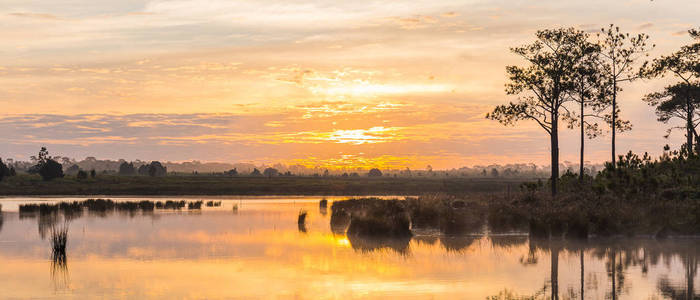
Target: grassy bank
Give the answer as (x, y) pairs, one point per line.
(218, 185)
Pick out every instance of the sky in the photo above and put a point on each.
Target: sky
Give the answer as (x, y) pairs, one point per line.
(335, 84)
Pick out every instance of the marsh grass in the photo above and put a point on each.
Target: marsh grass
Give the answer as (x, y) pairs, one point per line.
(211, 203)
(59, 242)
(194, 205)
(448, 213)
(301, 221)
(371, 217)
(59, 261)
(377, 217)
(98, 207)
(302, 217)
(24, 184)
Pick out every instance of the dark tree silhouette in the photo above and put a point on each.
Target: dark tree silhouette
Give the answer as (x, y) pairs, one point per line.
(270, 172)
(232, 172)
(72, 170)
(681, 101)
(374, 173)
(685, 65)
(156, 169)
(588, 93)
(255, 172)
(50, 169)
(619, 53)
(543, 85)
(127, 169)
(143, 170)
(4, 170)
(82, 175)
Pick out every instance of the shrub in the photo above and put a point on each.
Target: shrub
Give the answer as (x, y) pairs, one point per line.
(50, 170)
(374, 173)
(127, 169)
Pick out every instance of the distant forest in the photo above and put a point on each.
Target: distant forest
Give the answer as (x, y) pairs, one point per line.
(529, 170)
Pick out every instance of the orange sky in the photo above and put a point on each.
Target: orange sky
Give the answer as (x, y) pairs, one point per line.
(367, 83)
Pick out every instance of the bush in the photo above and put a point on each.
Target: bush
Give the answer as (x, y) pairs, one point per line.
(127, 169)
(4, 171)
(374, 173)
(50, 170)
(372, 217)
(270, 172)
(156, 169)
(82, 175)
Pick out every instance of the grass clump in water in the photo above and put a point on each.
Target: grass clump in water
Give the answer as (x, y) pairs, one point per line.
(449, 214)
(194, 205)
(211, 203)
(373, 217)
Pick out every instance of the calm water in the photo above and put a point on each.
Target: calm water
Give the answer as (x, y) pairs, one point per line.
(259, 251)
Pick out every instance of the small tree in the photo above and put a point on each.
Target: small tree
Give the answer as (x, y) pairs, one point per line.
(232, 172)
(4, 170)
(619, 53)
(543, 85)
(374, 173)
(589, 95)
(72, 170)
(270, 172)
(255, 172)
(685, 65)
(81, 175)
(50, 169)
(93, 174)
(680, 101)
(156, 169)
(127, 169)
(143, 170)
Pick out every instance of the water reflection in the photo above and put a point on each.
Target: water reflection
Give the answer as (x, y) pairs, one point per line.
(172, 254)
(59, 260)
(369, 244)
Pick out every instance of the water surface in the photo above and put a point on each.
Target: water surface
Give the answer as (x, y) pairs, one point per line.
(259, 252)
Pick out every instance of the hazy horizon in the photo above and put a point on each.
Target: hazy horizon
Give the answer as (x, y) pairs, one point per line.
(363, 84)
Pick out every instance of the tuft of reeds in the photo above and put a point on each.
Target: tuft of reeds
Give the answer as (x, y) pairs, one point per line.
(194, 205)
(323, 203)
(59, 241)
(211, 203)
(372, 217)
(301, 220)
(174, 204)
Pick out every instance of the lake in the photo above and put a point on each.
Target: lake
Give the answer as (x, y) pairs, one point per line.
(258, 251)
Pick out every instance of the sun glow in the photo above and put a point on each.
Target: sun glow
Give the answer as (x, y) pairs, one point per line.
(361, 136)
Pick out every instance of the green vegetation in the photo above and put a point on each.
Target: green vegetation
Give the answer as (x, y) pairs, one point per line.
(373, 217)
(638, 196)
(26, 184)
(59, 241)
(102, 206)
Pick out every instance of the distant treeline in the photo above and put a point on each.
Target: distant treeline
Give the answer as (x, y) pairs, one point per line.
(91, 167)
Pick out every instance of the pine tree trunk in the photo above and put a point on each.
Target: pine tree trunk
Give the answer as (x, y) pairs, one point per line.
(689, 126)
(614, 117)
(554, 137)
(580, 172)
